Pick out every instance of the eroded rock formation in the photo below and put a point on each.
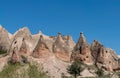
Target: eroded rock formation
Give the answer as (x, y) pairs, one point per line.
(61, 47)
(82, 51)
(23, 48)
(104, 57)
(5, 38)
(41, 50)
(15, 57)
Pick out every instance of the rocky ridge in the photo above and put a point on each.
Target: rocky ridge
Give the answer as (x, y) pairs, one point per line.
(56, 52)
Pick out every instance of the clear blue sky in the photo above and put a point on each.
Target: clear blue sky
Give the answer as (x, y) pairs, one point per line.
(98, 19)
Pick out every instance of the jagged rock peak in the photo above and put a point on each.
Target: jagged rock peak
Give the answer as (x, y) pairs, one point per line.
(96, 43)
(2, 28)
(41, 49)
(59, 38)
(24, 30)
(4, 38)
(70, 42)
(82, 38)
(82, 51)
(81, 42)
(40, 40)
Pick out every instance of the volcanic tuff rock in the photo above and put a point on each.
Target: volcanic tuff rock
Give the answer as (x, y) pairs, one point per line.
(61, 48)
(104, 57)
(23, 43)
(82, 51)
(41, 49)
(56, 50)
(97, 54)
(5, 38)
(95, 48)
(19, 35)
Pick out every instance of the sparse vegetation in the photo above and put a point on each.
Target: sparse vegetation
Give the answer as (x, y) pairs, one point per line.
(75, 69)
(100, 73)
(22, 71)
(24, 59)
(9, 70)
(34, 72)
(3, 52)
(118, 74)
(115, 73)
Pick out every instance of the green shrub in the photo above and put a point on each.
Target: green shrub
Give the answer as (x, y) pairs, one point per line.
(22, 71)
(3, 51)
(100, 73)
(33, 72)
(9, 70)
(24, 59)
(75, 69)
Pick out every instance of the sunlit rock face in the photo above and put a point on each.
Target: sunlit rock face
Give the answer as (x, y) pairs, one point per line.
(62, 47)
(108, 59)
(82, 51)
(15, 57)
(5, 39)
(17, 52)
(25, 34)
(96, 48)
(41, 50)
(104, 57)
(96, 54)
(23, 49)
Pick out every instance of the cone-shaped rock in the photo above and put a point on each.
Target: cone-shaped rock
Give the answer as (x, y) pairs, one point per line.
(18, 37)
(60, 48)
(4, 39)
(70, 43)
(81, 42)
(23, 32)
(41, 50)
(82, 51)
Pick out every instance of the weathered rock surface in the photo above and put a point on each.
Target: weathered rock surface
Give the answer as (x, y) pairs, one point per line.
(41, 50)
(54, 51)
(82, 51)
(96, 48)
(5, 38)
(60, 48)
(97, 54)
(104, 57)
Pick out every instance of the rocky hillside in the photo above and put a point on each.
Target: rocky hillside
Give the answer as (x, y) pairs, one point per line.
(96, 54)
(55, 53)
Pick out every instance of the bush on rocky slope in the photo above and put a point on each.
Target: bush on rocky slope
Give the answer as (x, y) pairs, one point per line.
(75, 69)
(22, 71)
(3, 51)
